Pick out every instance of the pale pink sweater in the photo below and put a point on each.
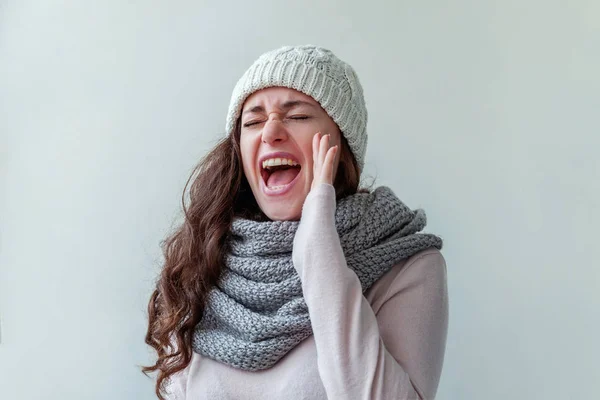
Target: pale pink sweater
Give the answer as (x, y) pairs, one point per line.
(387, 344)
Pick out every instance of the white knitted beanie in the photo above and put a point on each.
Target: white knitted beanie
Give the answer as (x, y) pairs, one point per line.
(318, 73)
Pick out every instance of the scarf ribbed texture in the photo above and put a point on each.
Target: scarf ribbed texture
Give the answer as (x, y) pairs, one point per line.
(256, 313)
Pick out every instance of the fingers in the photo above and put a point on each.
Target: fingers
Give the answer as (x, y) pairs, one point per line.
(327, 172)
(323, 159)
(323, 148)
(316, 141)
(315, 146)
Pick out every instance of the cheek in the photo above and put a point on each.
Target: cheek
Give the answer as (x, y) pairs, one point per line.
(307, 151)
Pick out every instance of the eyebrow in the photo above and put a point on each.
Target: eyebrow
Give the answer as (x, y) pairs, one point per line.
(285, 106)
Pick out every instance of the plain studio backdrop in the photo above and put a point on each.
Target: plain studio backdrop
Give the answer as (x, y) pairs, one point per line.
(485, 114)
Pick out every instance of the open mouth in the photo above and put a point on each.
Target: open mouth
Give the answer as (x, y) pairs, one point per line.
(278, 173)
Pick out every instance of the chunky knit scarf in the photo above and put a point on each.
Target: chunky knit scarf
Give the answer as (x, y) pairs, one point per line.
(256, 313)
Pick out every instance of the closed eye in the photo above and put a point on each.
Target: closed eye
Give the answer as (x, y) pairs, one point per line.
(293, 117)
(250, 123)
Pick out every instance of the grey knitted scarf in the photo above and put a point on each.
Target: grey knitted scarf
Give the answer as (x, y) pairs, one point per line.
(256, 313)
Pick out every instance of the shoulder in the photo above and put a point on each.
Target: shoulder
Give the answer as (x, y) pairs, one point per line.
(424, 270)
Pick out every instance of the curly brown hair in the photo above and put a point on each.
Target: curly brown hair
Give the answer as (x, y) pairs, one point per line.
(194, 252)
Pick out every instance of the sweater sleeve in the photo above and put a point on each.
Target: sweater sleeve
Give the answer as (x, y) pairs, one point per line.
(355, 359)
(175, 387)
(176, 384)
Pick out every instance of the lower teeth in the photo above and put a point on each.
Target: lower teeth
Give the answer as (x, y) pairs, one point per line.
(277, 187)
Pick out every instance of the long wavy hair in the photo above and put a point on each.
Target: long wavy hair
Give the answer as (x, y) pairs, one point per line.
(194, 251)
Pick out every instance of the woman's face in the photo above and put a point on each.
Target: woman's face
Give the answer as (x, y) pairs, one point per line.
(277, 129)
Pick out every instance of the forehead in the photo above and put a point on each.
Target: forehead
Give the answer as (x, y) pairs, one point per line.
(275, 96)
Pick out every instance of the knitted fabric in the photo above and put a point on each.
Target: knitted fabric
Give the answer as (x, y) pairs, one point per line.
(318, 73)
(256, 314)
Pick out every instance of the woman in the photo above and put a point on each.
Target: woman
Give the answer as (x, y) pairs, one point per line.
(285, 281)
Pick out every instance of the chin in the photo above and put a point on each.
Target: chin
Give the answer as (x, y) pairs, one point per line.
(282, 213)
(282, 207)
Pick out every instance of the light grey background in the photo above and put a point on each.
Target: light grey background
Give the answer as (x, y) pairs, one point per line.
(485, 113)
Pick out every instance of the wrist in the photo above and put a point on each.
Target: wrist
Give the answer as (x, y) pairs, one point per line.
(320, 202)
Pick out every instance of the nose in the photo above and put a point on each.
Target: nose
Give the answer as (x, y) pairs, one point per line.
(274, 131)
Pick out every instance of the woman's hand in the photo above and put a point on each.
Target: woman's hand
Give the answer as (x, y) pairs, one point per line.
(323, 160)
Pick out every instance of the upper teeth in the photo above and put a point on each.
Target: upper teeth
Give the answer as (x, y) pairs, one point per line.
(273, 162)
